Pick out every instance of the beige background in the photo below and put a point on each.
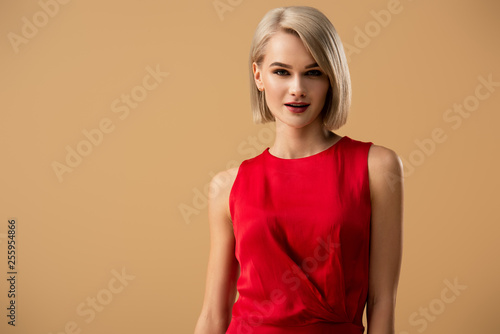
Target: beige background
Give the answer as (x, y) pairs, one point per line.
(120, 207)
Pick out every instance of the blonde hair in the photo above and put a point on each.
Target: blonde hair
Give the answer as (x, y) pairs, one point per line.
(321, 39)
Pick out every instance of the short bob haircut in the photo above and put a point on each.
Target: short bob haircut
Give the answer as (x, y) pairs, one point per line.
(321, 39)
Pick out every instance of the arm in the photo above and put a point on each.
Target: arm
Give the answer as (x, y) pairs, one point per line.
(223, 267)
(386, 188)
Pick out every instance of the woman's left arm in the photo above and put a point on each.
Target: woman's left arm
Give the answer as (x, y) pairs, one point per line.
(386, 239)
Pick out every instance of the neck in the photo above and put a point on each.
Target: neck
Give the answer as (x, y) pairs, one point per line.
(292, 143)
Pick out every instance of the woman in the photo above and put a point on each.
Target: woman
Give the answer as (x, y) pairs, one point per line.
(310, 230)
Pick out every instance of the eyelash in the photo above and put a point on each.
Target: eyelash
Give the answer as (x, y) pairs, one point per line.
(318, 73)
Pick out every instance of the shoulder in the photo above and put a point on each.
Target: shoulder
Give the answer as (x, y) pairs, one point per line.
(222, 182)
(380, 158)
(383, 158)
(220, 189)
(385, 169)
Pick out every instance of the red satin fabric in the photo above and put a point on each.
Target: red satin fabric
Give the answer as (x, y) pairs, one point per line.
(302, 229)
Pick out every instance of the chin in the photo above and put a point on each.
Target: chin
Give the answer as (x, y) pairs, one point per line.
(298, 123)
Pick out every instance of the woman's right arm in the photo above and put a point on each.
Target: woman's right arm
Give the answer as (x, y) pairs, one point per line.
(223, 268)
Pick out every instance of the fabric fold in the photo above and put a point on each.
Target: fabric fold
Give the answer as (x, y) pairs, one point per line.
(301, 229)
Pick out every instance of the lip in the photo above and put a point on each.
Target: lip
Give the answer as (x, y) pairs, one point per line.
(296, 102)
(298, 110)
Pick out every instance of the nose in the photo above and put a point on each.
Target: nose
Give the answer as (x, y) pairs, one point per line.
(297, 87)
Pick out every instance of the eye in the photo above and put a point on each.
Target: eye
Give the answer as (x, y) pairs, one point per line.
(280, 72)
(315, 73)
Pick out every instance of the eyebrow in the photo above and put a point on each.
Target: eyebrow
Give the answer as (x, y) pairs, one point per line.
(277, 63)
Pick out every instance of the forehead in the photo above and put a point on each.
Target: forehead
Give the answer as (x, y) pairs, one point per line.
(287, 48)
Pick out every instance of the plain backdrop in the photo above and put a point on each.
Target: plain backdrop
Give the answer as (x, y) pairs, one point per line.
(116, 114)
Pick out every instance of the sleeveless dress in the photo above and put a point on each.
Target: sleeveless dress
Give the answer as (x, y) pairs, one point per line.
(302, 229)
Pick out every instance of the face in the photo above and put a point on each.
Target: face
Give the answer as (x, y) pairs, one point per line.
(289, 75)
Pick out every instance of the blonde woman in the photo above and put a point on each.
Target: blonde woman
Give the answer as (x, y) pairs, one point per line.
(309, 231)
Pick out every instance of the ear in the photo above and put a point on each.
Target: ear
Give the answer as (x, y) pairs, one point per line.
(257, 75)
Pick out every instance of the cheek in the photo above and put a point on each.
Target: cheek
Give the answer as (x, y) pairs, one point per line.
(322, 89)
(273, 83)
(275, 88)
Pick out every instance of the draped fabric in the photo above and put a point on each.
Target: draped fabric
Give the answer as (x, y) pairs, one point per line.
(302, 229)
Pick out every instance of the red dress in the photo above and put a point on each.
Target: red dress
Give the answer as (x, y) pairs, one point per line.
(302, 230)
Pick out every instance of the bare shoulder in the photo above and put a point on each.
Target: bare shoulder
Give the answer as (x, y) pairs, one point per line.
(222, 182)
(385, 168)
(383, 158)
(221, 185)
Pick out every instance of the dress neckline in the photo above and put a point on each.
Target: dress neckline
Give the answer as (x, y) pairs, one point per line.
(333, 146)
